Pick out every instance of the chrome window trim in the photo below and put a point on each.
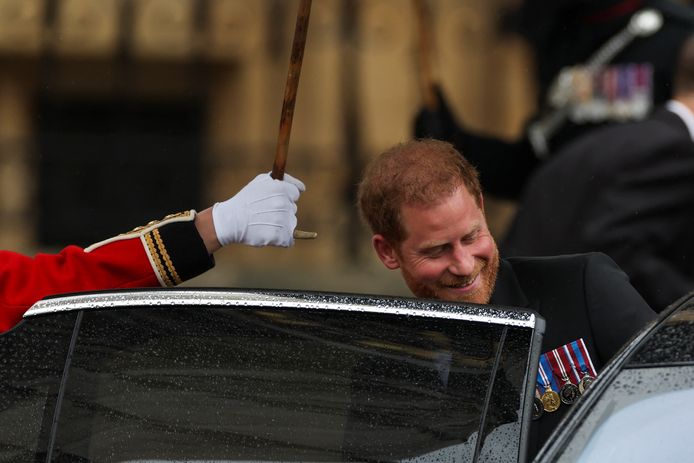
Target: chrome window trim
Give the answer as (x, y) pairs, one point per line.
(278, 299)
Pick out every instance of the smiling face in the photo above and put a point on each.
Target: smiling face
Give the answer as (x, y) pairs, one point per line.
(448, 252)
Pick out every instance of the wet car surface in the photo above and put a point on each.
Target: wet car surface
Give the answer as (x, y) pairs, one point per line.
(224, 375)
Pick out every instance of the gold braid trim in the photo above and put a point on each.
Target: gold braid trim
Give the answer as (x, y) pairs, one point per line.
(157, 259)
(166, 257)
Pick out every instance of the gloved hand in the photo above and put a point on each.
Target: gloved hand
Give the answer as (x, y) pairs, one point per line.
(262, 213)
(439, 124)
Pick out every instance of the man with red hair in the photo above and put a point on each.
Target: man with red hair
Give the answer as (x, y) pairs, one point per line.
(424, 205)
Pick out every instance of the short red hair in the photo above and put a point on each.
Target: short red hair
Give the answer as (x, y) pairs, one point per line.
(417, 172)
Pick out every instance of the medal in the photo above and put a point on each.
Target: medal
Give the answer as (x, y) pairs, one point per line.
(588, 375)
(569, 391)
(585, 383)
(611, 93)
(550, 399)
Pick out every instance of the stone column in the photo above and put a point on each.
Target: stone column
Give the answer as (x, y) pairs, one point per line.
(17, 179)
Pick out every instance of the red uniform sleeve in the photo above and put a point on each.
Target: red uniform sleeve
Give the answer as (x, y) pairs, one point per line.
(161, 254)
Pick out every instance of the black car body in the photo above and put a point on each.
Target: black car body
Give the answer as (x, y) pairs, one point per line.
(226, 375)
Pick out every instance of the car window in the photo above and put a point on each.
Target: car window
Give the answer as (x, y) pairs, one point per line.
(32, 357)
(256, 384)
(653, 401)
(656, 417)
(501, 439)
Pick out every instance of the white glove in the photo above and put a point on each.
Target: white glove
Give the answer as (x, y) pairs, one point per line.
(262, 213)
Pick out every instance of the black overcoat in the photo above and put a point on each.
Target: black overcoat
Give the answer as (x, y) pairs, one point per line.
(625, 190)
(579, 296)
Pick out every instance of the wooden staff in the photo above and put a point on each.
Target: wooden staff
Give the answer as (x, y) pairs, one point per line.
(426, 80)
(287, 116)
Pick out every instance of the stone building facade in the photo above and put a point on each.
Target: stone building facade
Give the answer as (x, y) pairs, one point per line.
(113, 112)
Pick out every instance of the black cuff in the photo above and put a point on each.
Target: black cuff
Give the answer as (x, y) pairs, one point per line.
(178, 252)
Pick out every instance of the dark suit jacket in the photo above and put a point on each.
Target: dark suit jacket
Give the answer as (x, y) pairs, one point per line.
(579, 296)
(627, 191)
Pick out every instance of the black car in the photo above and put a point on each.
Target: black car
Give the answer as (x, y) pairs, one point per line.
(225, 375)
(240, 375)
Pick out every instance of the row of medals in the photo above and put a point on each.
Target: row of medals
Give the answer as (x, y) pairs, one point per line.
(550, 400)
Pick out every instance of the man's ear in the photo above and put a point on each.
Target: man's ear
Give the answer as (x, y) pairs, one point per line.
(385, 251)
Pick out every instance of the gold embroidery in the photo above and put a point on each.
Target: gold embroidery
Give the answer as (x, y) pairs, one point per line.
(166, 257)
(157, 260)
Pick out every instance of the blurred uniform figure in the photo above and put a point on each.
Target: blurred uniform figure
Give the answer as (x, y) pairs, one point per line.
(626, 190)
(597, 61)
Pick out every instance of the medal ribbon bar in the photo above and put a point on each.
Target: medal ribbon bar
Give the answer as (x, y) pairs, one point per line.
(567, 354)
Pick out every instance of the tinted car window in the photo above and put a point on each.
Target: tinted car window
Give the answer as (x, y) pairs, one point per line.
(257, 384)
(503, 431)
(32, 357)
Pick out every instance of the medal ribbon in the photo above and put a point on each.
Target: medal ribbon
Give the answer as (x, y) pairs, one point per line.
(574, 371)
(562, 371)
(644, 76)
(609, 83)
(546, 371)
(623, 90)
(586, 355)
(542, 380)
(584, 361)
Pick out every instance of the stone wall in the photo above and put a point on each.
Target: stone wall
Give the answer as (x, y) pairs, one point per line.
(358, 94)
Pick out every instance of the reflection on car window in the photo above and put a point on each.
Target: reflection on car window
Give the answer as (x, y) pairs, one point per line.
(32, 357)
(502, 433)
(634, 391)
(251, 385)
(660, 418)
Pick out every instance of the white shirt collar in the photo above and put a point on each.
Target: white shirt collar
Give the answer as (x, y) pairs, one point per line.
(684, 113)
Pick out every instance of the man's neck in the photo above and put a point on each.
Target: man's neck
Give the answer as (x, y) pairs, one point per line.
(687, 100)
(683, 106)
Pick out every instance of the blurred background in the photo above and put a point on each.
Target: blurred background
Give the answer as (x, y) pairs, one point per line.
(117, 112)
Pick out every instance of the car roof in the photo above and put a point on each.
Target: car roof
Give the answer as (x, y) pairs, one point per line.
(100, 300)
